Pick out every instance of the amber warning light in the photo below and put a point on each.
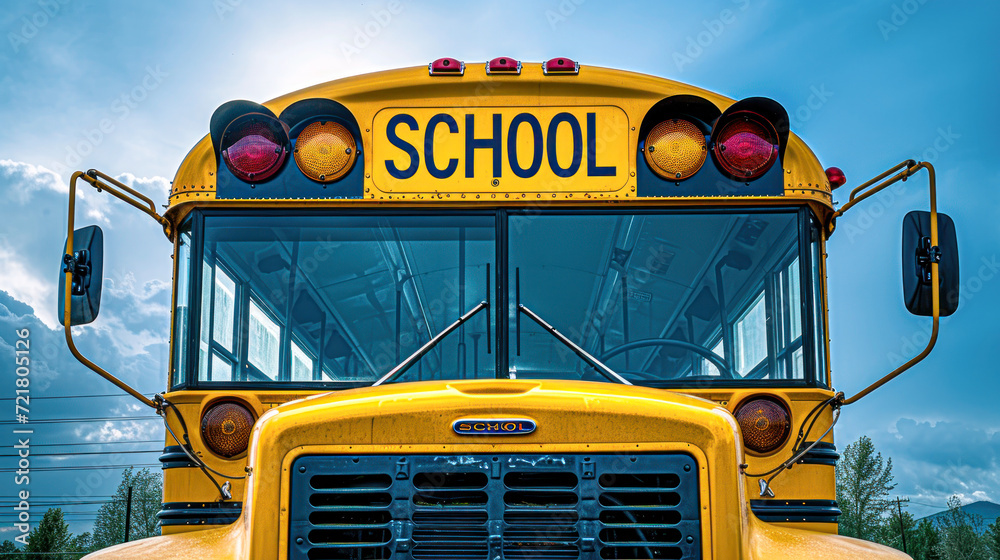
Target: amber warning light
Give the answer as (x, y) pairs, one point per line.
(226, 428)
(765, 424)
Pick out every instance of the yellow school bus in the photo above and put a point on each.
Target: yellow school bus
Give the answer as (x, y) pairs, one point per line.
(502, 310)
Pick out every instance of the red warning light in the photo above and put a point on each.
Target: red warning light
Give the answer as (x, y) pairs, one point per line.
(836, 177)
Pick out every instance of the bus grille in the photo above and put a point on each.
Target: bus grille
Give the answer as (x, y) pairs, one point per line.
(488, 507)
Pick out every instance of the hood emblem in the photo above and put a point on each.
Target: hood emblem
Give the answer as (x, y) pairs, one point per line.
(493, 426)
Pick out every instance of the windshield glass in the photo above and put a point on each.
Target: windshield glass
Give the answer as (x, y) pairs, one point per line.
(341, 299)
(662, 297)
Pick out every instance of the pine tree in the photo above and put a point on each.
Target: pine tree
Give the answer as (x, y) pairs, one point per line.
(926, 541)
(993, 538)
(961, 534)
(81, 543)
(864, 481)
(10, 551)
(147, 493)
(51, 536)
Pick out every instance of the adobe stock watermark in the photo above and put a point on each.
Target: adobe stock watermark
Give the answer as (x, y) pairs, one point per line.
(562, 12)
(365, 33)
(989, 268)
(713, 29)
(899, 16)
(818, 96)
(121, 107)
(225, 7)
(28, 27)
(869, 212)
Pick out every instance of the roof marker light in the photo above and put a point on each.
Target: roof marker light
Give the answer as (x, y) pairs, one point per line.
(560, 66)
(503, 65)
(836, 177)
(446, 67)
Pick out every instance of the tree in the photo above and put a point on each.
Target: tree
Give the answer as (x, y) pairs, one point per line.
(993, 538)
(82, 543)
(926, 541)
(960, 534)
(10, 551)
(889, 532)
(147, 493)
(51, 536)
(864, 481)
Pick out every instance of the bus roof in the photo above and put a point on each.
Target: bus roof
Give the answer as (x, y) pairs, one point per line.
(409, 99)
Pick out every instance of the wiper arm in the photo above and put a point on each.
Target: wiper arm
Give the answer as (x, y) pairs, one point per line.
(594, 362)
(408, 362)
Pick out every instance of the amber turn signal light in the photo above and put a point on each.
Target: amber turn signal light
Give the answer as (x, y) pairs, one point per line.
(765, 424)
(226, 427)
(325, 151)
(675, 149)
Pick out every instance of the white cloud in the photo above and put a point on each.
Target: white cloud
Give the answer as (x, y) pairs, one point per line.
(21, 180)
(25, 286)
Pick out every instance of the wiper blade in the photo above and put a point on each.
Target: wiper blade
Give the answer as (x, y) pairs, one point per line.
(408, 362)
(604, 370)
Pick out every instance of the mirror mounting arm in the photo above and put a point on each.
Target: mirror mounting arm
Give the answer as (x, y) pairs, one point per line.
(905, 170)
(104, 182)
(72, 261)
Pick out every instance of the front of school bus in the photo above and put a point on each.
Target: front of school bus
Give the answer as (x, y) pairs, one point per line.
(500, 311)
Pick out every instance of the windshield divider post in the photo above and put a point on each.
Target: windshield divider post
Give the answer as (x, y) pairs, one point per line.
(604, 370)
(489, 298)
(517, 300)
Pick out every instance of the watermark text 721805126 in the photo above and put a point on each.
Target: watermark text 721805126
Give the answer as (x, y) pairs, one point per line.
(22, 362)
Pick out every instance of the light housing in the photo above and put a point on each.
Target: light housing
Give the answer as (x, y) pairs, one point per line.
(254, 146)
(325, 151)
(764, 422)
(745, 145)
(675, 149)
(226, 427)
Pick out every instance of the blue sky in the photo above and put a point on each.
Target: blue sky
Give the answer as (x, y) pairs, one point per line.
(128, 88)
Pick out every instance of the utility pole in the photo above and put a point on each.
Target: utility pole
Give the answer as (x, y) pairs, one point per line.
(902, 533)
(128, 513)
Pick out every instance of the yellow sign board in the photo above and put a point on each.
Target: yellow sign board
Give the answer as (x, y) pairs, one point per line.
(500, 149)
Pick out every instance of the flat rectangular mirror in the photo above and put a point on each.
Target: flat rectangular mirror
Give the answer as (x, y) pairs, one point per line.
(87, 266)
(917, 256)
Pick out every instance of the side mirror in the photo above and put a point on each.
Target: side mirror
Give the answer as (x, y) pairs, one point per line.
(917, 257)
(87, 266)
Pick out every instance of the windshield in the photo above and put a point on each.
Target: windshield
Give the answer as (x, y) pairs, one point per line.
(663, 298)
(660, 298)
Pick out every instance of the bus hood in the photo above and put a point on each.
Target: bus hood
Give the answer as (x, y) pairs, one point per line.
(570, 418)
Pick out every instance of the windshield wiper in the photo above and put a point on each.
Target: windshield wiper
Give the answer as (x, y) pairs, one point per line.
(408, 362)
(594, 362)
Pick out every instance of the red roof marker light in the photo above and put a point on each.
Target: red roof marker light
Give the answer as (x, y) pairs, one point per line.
(836, 177)
(446, 67)
(560, 65)
(503, 65)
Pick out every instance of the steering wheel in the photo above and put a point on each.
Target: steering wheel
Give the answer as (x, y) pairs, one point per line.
(716, 360)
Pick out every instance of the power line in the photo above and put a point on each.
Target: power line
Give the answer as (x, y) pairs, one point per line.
(89, 453)
(74, 420)
(82, 468)
(77, 396)
(97, 443)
